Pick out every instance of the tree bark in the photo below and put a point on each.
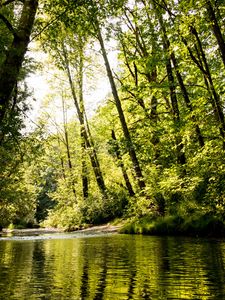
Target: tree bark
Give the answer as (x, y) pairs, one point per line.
(181, 159)
(204, 67)
(10, 68)
(216, 29)
(131, 149)
(121, 164)
(69, 161)
(186, 99)
(91, 150)
(84, 176)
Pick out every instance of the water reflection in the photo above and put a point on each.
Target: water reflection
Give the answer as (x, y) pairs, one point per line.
(112, 267)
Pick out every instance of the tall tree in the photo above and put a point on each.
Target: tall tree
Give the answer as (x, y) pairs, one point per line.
(83, 124)
(173, 97)
(67, 144)
(117, 152)
(130, 145)
(11, 65)
(92, 152)
(216, 28)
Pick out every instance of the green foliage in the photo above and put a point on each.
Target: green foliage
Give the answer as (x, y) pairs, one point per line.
(44, 201)
(170, 82)
(149, 36)
(68, 218)
(194, 225)
(18, 195)
(93, 211)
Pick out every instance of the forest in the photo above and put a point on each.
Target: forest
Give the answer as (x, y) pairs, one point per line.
(151, 152)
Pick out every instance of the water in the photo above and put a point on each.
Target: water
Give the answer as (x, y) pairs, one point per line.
(72, 266)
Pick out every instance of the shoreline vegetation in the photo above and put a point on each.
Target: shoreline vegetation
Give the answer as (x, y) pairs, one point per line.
(195, 226)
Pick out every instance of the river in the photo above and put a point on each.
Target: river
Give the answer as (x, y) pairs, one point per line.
(111, 266)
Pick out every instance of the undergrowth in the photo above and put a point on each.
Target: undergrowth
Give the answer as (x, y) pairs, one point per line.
(195, 225)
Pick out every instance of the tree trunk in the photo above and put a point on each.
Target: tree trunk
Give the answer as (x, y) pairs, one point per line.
(70, 166)
(91, 150)
(186, 99)
(173, 97)
(121, 164)
(204, 67)
(84, 176)
(61, 162)
(216, 29)
(10, 68)
(151, 75)
(132, 152)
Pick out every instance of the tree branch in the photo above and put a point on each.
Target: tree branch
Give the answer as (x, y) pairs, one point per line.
(8, 25)
(49, 24)
(7, 2)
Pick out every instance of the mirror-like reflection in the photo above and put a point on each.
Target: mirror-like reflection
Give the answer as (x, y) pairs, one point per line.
(112, 267)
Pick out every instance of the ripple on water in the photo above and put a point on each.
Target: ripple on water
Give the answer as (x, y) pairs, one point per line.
(110, 266)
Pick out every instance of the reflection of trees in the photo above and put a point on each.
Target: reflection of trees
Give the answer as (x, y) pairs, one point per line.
(143, 268)
(192, 269)
(116, 267)
(40, 271)
(106, 268)
(212, 258)
(132, 280)
(93, 278)
(15, 269)
(100, 288)
(84, 277)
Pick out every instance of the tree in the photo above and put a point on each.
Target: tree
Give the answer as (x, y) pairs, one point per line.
(130, 145)
(154, 144)
(216, 28)
(12, 62)
(81, 113)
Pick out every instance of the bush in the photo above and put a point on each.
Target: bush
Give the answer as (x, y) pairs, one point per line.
(93, 211)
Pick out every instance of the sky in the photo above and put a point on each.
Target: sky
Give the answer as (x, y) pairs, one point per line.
(42, 84)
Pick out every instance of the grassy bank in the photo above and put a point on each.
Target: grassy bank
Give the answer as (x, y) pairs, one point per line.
(196, 225)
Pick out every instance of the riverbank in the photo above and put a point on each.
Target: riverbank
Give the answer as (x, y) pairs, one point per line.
(195, 225)
(106, 228)
(30, 231)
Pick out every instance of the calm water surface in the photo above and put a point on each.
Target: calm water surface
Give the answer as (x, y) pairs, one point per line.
(72, 266)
